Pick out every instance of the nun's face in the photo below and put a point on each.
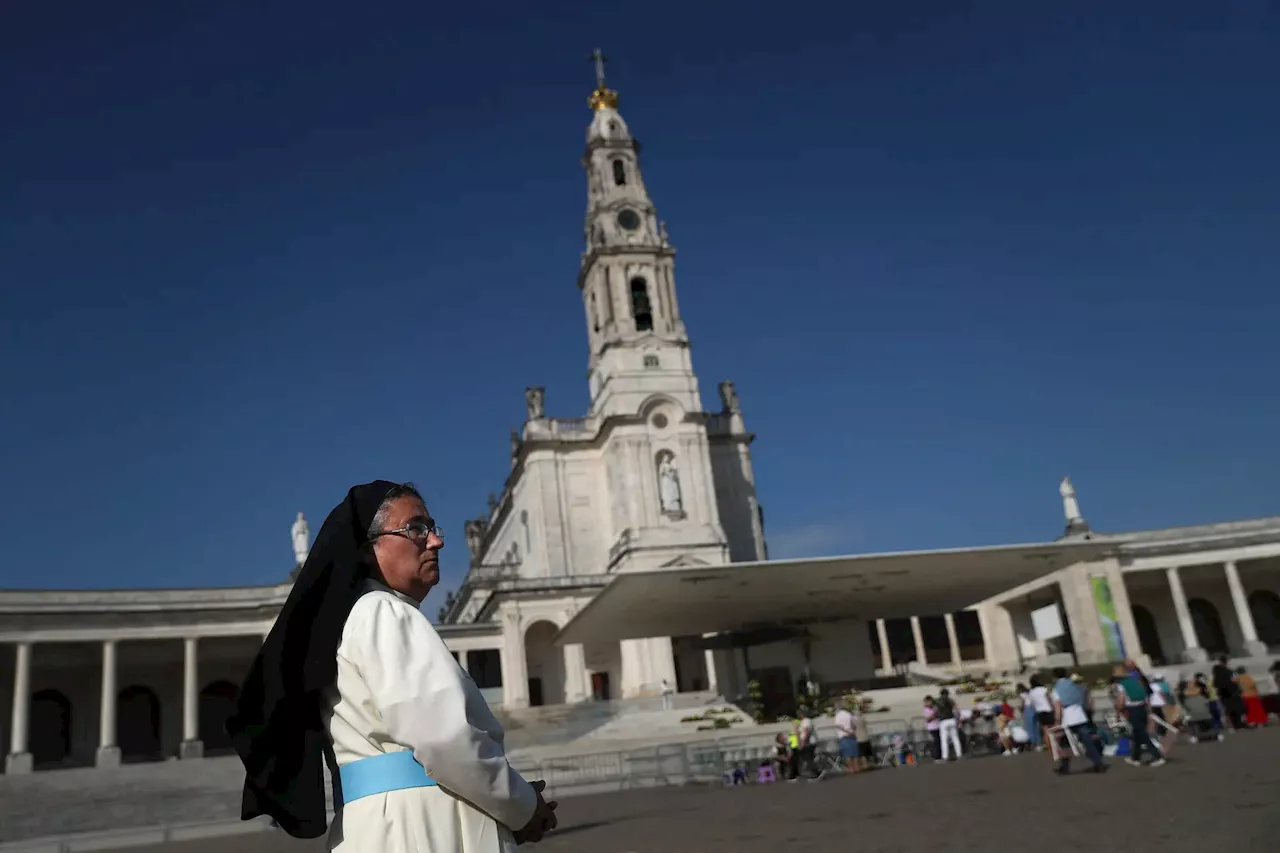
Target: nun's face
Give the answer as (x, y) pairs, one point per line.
(409, 562)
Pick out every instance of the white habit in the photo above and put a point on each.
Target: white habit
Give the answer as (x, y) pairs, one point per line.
(399, 688)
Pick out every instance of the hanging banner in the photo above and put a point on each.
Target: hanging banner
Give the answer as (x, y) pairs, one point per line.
(1112, 637)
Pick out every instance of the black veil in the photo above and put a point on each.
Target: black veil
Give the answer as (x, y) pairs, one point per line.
(278, 728)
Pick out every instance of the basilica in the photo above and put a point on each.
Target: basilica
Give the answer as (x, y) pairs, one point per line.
(625, 556)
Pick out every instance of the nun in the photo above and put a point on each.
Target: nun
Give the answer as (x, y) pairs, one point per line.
(354, 676)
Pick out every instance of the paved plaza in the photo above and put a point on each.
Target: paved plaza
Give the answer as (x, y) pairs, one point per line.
(1209, 797)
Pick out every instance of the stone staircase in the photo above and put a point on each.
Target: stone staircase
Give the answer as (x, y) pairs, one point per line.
(621, 719)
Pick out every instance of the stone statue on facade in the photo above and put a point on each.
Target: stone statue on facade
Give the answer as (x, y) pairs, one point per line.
(669, 486)
(1071, 508)
(533, 398)
(729, 398)
(662, 234)
(515, 443)
(301, 539)
(474, 532)
(493, 503)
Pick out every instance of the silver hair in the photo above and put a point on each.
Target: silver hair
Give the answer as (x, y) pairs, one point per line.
(379, 523)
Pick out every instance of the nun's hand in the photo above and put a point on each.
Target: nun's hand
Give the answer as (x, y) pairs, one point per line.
(543, 820)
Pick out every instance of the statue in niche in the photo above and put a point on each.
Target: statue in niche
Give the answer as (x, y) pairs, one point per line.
(669, 486)
(301, 534)
(533, 398)
(474, 531)
(729, 398)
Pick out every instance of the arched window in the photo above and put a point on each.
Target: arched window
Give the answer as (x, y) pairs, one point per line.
(1208, 625)
(50, 733)
(1148, 634)
(619, 173)
(217, 703)
(640, 305)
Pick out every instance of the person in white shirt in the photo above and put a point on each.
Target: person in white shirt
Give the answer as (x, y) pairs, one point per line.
(847, 726)
(1039, 695)
(354, 675)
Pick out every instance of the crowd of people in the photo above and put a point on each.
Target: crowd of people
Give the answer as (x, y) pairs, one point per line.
(1146, 711)
(1139, 719)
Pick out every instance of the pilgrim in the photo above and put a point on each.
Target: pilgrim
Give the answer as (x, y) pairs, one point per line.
(354, 676)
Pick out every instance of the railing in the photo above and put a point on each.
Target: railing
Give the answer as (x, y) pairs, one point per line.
(565, 429)
(693, 762)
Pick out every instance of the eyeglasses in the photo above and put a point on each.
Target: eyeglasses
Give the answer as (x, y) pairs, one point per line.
(416, 531)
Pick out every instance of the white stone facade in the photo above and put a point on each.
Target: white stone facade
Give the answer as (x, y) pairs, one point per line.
(647, 478)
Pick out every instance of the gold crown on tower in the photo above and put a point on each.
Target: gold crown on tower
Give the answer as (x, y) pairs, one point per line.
(603, 96)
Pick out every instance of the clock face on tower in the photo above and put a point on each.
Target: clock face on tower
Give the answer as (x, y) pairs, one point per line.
(628, 220)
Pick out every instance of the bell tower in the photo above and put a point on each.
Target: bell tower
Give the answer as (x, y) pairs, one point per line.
(638, 344)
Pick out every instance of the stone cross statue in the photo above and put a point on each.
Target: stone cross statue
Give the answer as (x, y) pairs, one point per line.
(533, 402)
(1069, 505)
(729, 397)
(669, 487)
(301, 534)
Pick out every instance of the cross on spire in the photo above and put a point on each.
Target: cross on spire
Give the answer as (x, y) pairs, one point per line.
(598, 57)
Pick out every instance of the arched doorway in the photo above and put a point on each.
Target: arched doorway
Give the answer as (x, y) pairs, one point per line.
(138, 717)
(50, 733)
(1148, 636)
(545, 661)
(1265, 607)
(217, 703)
(1208, 625)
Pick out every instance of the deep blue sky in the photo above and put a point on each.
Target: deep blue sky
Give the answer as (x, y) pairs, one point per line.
(249, 257)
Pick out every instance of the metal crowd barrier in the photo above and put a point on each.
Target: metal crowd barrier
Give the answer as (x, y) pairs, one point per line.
(694, 762)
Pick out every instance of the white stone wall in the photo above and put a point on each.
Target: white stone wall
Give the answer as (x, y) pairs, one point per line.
(734, 484)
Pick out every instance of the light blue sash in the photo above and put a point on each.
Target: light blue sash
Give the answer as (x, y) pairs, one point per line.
(378, 774)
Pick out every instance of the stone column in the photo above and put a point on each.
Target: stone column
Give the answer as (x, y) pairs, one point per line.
(108, 754)
(575, 673)
(954, 640)
(19, 759)
(1252, 646)
(515, 669)
(191, 746)
(1193, 652)
(921, 657)
(984, 630)
(713, 678)
(886, 653)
